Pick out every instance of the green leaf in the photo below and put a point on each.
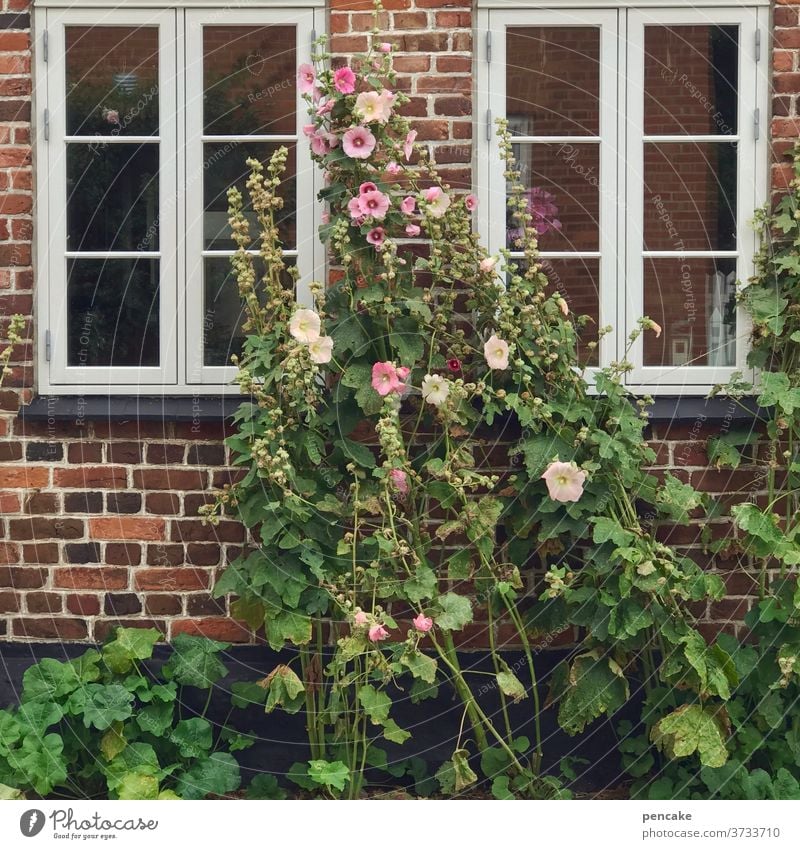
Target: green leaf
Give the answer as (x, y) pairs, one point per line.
(690, 729)
(41, 761)
(193, 737)
(285, 690)
(393, 732)
(10, 794)
(101, 705)
(358, 453)
(113, 741)
(38, 716)
(329, 774)
(420, 665)
(265, 786)
(137, 785)
(218, 774)
(194, 661)
(456, 612)
(50, 679)
(156, 718)
(595, 685)
(511, 685)
(606, 529)
(376, 703)
(283, 625)
(129, 645)
(422, 585)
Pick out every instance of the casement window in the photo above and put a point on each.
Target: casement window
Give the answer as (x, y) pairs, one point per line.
(145, 118)
(640, 135)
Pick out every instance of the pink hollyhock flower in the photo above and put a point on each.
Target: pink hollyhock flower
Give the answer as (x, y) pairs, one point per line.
(408, 205)
(563, 306)
(408, 144)
(367, 187)
(495, 352)
(326, 218)
(387, 379)
(325, 108)
(358, 143)
(376, 237)
(372, 106)
(309, 131)
(471, 202)
(306, 79)
(354, 208)
(423, 623)
(322, 142)
(564, 481)
(454, 365)
(344, 80)
(385, 47)
(393, 168)
(360, 618)
(400, 481)
(437, 200)
(378, 633)
(412, 230)
(375, 204)
(543, 211)
(655, 327)
(488, 263)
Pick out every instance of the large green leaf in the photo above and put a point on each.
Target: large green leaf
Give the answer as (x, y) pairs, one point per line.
(329, 774)
(218, 774)
(128, 646)
(455, 612)
(284, 689)
(51, 679)
(138, 784)
(193, 737)
(101, 705)
(195, 661)
(690, 729)
(156, 718)
(41, 762)
(595, 685)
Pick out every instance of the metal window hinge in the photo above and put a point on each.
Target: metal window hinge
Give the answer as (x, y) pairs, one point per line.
(45, 46)
(313, 35)
(489, 47)
(47, 346)
(47, 124)
(757, 123)
(758, 45)
(488, 125)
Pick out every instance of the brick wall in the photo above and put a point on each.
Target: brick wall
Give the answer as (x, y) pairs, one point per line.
(99, 521)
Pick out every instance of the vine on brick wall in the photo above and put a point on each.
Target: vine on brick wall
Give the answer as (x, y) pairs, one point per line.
(423, 344)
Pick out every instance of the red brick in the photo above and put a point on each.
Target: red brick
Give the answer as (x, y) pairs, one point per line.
(102, 477)
(227, 630)
(171, 580)
(44, 602)
(22, 578)
(28, 477)
(188, 530)
(127, 527)
(123, 554)
(9, 602)
(90, 578)
(170, 479)
(38, 527)
(50, 628)
(83, 605)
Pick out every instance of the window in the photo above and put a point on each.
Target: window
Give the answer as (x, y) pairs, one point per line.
(146, 119)
(639, 135)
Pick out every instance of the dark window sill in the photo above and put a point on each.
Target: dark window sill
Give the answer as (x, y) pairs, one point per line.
(220, 408)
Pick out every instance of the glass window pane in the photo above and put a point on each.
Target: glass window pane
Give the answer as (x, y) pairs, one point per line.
(112, 81)
(563, 195)
(690, 196)
(225, 165)
(113, 312)
(249, 80)
(112, 197)
(224, 315)
(691, 80)
(694, 301)
(553, 81)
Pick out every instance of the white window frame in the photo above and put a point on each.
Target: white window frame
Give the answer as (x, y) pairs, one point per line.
(181, 370)
(621, 160)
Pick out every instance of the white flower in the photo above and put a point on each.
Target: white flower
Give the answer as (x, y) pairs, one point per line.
(496, 352)
(435, 389)
(371, 106)
(321, 350)
(304, 326)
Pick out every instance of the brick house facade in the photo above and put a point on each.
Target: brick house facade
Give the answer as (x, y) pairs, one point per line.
(98, 508)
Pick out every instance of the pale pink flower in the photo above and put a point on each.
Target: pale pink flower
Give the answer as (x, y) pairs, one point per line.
(471, 202)
(488, 263)
(377, 633)
(386, 379)
(423, 623)
(564, 481)
(323, 142)
(495, 352)
(385, 47)
(367, 187)
(372, 106)
(393, 168)
(324, 108)
(408, 144)
(412, 230)
(321, 350)
(354, 208)
(563, 306)
(435, 389)
(408, 205)
(375, 204)
(306, 79)
(376, 237)
(344, 80)
(309, 130)
(437, 202)
(358, 143)
(360, 618)
(399, 480)
(403, 372)
(656, 328)
(305, 326)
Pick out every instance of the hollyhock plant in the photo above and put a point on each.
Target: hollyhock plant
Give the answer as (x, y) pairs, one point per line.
(377, 633)
(344, 80)
(321, 350)
(435, 389)
(358, 143)
(376, 237)
(373, 106)
(306, 79)
(408, 205)
(305, 326)
(393, 169)
(373, 204)
(471, 202)
(437, 201)
(412, 230)
(386, 379)
(423, 623)
(564, 481)
(399, 481)
(360, 618)
(495, 351)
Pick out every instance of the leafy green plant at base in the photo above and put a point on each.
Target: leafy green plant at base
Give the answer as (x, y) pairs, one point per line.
(339, 482)
(104, 726)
